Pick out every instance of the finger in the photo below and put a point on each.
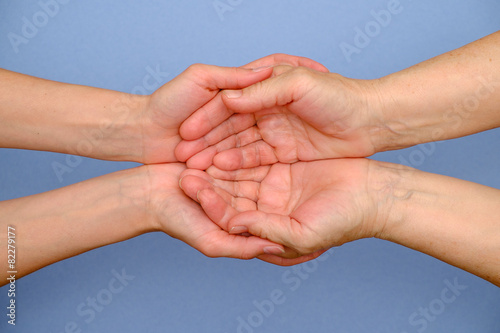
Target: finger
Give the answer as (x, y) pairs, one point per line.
(239, 189)
(280, 58)
(213, 78)
(192, 181)
(233, 125)
(254, 174)
(204, 159)
(221, 244)
(216, 207)
(192, 184)
(253, 155)
(274, 227)
(274, 92)
(219, 204)
(217, 78)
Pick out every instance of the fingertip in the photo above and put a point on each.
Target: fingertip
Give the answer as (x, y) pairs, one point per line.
(238, 230)
(180, 183)
(228, 160)
(274, 250)
(232, 94)
(181, 151)
(192, 185)
(202, 160)
(241, 221)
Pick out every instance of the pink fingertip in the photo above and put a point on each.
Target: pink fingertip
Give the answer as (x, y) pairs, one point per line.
(275, 250)
(238, 230)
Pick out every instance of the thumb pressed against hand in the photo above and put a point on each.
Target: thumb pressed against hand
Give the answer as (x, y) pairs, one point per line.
(273, 227)
(215, 78)
(276, 91)
(207, 109)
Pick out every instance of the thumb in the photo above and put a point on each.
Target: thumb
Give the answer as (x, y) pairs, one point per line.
(280, 90)
(274, 227)
(198, 86)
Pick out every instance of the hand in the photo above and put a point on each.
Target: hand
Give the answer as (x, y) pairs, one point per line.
(306, 206)
(300, 115)
(170, 211)
(197, 88)
(196, 127)
(197, 92)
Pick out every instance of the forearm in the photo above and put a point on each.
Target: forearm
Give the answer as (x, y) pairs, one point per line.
(45, 115)
(453, 220)
(68, 221)
(449, 96)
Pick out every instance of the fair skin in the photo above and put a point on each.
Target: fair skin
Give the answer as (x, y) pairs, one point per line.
(112, 125)
(313, 206)
(306, 115)
(303, 115)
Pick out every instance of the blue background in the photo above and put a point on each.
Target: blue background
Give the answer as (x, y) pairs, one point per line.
(365, 286)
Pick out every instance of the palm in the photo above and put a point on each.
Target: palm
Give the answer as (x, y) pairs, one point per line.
(307, 206)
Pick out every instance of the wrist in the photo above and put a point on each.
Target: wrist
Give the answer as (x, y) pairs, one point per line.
(160, 195)
(401, 118)
(373, 112)
(133, 192)
(390, 186)
(122, 129)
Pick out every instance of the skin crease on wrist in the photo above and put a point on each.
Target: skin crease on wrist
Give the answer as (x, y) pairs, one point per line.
(453, 220)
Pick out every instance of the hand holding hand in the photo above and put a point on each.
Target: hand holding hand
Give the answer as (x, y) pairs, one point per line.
(196, 93)
(300, 114)
(307, 206)
(170, 211)
(196, 89)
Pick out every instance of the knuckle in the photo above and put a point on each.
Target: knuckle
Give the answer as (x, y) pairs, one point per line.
(302, 73)
(195, 67)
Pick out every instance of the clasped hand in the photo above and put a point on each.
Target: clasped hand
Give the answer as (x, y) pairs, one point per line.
(260, 164)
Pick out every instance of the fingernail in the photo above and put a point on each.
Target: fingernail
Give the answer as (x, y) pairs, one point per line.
(238, 230)
(180, 184)
(233, 93)
(276, 250)
(260, 69)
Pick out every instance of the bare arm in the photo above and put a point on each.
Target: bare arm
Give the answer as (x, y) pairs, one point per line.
(45, 115)
(312, 206)
(62, 223)
(305, 115)
(449, 96)
(453, 220)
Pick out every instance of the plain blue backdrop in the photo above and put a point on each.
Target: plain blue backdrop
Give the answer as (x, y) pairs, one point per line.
(365, 286)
